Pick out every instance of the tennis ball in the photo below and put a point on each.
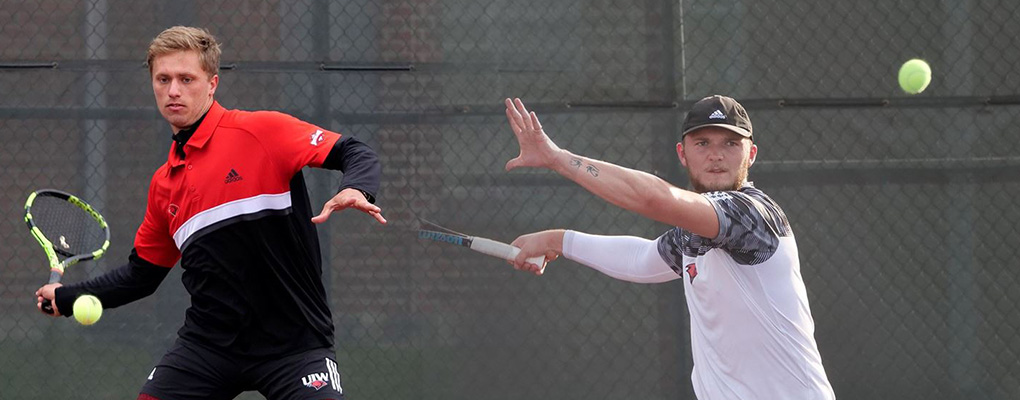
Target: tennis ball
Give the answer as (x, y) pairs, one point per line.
(87, 309)
(915, 75)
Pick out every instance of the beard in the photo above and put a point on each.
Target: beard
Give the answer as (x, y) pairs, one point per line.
(699, 186)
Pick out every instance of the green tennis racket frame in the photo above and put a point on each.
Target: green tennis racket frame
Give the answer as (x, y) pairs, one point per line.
(57, 267)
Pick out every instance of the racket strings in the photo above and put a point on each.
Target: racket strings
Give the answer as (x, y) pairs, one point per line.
(71, 229)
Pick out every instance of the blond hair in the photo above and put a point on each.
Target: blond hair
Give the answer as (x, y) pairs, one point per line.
(186, 38)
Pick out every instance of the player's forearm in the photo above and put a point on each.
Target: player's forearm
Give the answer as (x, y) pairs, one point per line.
(626, 258)
(360, 165)
(132, 281)
(618, 185)
(638, 191)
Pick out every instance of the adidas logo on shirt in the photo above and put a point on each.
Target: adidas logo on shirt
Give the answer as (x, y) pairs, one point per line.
(717, 115)
(233, 176)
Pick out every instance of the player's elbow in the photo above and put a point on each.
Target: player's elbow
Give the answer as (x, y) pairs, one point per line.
(657, 205)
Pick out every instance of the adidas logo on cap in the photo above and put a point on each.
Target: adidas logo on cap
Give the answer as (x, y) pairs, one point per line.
(717, 115)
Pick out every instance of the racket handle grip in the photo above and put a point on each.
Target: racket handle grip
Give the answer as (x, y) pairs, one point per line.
(47, 306)
(502, 250)
(539, 260)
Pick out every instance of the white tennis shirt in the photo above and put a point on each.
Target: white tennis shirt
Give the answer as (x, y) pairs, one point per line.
(752, 335)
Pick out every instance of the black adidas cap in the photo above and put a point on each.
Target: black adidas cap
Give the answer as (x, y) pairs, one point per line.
(720, 111)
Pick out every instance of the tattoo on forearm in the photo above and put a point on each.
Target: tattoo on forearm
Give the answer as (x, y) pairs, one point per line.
(591, 169)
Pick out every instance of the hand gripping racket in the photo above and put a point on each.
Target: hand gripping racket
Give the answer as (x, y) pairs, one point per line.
(434, 232)
(66, 227)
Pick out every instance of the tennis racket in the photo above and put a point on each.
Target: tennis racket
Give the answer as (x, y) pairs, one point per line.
(67, 228)
(431, 231)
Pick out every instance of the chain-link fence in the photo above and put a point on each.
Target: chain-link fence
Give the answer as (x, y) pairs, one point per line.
(904, 206)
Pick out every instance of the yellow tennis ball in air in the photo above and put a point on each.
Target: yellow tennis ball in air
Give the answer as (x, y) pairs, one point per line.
(915, 75)
(87, 309)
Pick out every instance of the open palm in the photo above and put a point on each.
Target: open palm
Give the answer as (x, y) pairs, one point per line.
(537, 150)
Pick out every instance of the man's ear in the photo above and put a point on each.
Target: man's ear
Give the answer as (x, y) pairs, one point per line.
(680, 153)
(214, 82)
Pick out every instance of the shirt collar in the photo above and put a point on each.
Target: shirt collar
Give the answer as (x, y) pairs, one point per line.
(181, 137)
(195, 136)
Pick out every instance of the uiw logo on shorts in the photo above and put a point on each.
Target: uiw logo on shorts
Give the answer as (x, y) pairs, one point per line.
(319, 380)
(316, 380)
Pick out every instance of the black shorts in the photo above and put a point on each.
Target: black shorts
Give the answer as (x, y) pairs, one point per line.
(189, 371)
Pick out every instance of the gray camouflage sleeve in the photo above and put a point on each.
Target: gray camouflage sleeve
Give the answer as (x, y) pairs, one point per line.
(749, 226)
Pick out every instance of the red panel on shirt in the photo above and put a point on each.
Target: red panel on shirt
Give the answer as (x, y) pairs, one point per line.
(233, 156)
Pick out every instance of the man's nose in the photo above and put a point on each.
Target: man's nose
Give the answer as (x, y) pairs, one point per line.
(175, 89)
(715, 153)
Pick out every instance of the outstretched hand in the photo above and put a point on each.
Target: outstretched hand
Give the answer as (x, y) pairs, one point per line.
(349, 198)
(537, 150)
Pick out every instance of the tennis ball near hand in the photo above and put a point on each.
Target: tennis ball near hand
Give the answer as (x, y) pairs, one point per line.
(915, 75)
(87, 309)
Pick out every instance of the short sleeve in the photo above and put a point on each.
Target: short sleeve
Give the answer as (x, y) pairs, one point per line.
(670, 246)
(749, 226)
(292, 142)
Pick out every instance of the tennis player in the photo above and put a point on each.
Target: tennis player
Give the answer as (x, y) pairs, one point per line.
(752, 335)
(230, 203)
